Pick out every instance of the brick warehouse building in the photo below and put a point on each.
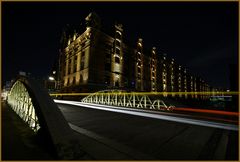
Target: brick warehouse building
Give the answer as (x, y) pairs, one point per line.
(93, 60)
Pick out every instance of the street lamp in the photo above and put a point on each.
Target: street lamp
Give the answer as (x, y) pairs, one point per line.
(51, 78)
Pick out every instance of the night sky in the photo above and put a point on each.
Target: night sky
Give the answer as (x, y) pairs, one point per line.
(202, 36)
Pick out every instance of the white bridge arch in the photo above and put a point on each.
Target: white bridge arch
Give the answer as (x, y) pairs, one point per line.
(35, 107)
(123, 98)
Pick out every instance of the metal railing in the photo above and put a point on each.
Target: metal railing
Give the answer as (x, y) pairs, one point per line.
(31, 101)
(21, 102)
(126, 99)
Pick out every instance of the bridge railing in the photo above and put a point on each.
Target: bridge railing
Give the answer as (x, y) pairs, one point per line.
(33, 104)
(126, 99)
(21, 102)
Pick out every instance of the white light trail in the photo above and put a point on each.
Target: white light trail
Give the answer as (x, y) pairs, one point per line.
(148, 114)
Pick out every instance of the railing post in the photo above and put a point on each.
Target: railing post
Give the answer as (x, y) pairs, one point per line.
(124, 100)
(102, 99)
(116, 99)
(133, 100)
(145, 102)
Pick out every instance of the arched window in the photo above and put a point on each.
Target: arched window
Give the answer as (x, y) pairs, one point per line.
(117, 83)
(118, 35)
(81, 79)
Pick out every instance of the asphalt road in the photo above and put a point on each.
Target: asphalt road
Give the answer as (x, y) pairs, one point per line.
(152, 138)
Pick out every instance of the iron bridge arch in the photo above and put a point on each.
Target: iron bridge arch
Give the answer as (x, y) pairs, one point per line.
(123, 98)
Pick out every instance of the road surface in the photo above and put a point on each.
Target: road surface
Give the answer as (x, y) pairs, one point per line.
(152, 138)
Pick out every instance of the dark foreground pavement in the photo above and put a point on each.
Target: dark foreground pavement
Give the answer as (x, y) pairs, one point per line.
(18, 141)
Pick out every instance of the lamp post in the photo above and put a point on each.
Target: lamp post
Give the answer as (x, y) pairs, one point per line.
(51, 78)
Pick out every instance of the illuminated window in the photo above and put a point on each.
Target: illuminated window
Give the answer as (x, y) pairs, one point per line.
(164, 86)
(67, 82)
(82, 61)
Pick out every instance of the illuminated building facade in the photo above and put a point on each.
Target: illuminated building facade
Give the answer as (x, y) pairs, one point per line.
(94, 60)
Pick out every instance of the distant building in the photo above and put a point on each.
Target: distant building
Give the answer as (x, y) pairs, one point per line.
(93, 60)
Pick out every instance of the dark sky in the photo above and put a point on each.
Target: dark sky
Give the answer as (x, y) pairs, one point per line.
(202, 36)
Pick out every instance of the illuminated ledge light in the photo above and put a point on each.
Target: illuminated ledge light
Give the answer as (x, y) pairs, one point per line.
(146, 93)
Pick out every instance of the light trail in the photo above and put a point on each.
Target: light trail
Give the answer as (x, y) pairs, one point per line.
(218, 112)
(153, 115)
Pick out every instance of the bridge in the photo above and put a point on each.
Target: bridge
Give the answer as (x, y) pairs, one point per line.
(118, 125)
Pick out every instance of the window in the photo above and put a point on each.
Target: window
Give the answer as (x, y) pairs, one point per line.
(81, 78)
(75, 49)
(82, 62)
(117, 60)
(67, 82)
(83, 44)
(117, 83)
(139, 56)
(74, 81)
(118, 35)
(83, 53)
(164, 86)
(69, 66)
(139, 70)
(69, 70)
(118, 43)
(118, 51)
(75, 64)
